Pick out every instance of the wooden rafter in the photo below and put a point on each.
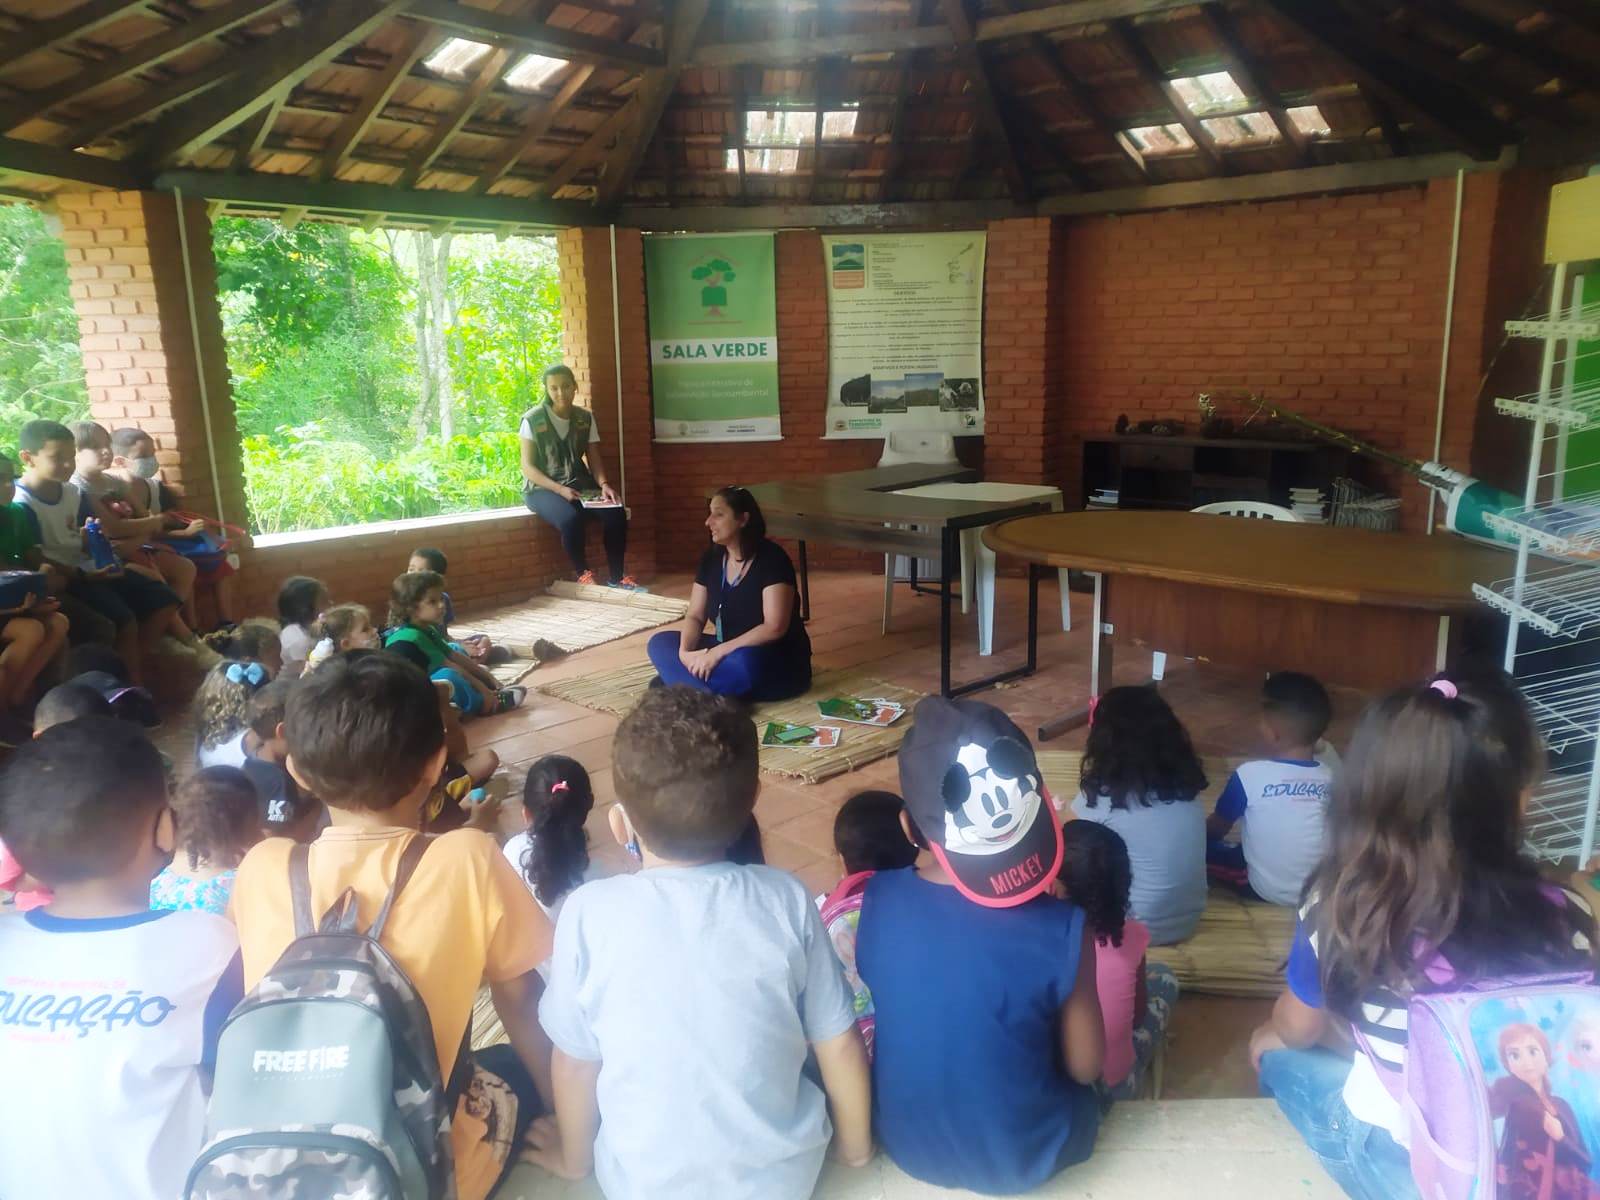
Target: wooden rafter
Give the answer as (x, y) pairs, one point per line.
(1573, 71)
(1388, 124)
(539, 37)
(597, 142)
(420, 41)
(1452, 114)
(449, 124)
(34, 161)
(147, 103)
(139, 56)
(823, 76)
(991, 121)
(1247, 72)
(253, 134)
(538, 127)
(75, 23)
(683, 32)
(1130, 45)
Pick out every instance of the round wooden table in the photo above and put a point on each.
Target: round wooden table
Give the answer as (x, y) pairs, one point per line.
(1349, 606)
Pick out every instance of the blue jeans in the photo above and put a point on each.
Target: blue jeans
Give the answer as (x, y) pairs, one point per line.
(749, 673)
(569, 518)
(1362, 1159)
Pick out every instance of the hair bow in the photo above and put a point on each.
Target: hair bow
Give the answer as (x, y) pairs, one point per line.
(253, 674)
(1445, 688)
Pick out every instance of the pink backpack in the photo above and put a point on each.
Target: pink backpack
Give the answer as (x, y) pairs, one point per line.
(841, 915)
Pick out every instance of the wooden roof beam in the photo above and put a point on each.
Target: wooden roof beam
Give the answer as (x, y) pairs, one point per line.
(598, 141)
(266, 71)
(449, 124)
(991, 121)
(1127, 41)
(1575, 72)
(1388, 124)
(683, 33)
(150, 101)
(254, 133)
(902, 93)
(1248, 73)
(420, 41)
(1447, 110)
(147, 53)
(75, 23)
(34, 161)
(539, 37)
(538, 127)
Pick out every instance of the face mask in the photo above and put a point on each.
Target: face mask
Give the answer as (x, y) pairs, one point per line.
(147, 468)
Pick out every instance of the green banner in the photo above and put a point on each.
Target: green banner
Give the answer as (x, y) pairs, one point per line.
(713, 337)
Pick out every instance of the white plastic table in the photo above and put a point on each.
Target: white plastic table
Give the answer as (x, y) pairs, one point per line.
(976, 555)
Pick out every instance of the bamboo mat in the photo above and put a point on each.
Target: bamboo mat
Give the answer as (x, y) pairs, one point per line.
(487, 1029)
(1241, 946)
(574, 616)
(616, 692)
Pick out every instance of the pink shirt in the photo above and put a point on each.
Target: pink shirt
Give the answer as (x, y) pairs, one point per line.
(11, 874)
(1116, 973)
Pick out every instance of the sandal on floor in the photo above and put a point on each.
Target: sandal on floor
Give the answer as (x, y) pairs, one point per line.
(547, 651)
(510, 698)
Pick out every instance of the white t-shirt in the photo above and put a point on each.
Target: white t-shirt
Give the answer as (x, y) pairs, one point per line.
(1167, 849)
(60, 526)
(224, 754)
(108, 1024)
(562, 427)
(295, 642)
(1282, 803)
(718, 974)
(515, 851)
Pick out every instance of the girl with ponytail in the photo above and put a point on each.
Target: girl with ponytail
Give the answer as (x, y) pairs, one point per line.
(552, 853)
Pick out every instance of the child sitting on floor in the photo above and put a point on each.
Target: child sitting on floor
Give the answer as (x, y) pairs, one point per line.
(868, 837)
(221, 705)
(36, 631)
(286, 810)
(301, 600)
(364, 735)
(642, 953)
(477, 646)
(988, 1037)
(1281, 800)
(416, 611)
(552, 853)
(1140, 776)
(126, 1003)
(1136, 997)
(218, 821)
(342, 628)
(255, 640)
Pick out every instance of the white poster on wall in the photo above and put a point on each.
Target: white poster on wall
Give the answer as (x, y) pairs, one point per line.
(905, 333)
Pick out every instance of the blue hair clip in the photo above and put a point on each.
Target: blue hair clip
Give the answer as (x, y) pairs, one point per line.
(254, 674)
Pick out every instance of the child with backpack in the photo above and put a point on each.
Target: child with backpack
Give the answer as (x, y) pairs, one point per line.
(122, 1004)
(732, 960)
(1140, 777)
(449, 912)
(1136, 997)
(1423, 902)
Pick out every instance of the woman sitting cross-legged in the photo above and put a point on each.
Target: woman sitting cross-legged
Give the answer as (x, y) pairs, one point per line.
(746, 587)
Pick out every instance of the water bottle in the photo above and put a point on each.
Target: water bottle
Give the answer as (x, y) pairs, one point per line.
(99, 545)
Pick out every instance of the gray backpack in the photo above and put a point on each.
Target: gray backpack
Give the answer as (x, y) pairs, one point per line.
(327, 1081)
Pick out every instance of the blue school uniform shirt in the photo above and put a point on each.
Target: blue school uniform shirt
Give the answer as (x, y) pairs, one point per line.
(968, 1086)
(1282, 802)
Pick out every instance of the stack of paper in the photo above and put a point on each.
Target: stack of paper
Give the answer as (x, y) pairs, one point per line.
(1309, 504)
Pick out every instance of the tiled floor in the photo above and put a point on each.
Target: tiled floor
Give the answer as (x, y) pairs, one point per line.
(1207, 1055)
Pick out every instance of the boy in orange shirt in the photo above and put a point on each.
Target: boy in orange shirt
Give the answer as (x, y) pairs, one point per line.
(364, 734)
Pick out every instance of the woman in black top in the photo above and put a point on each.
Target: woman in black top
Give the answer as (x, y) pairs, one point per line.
(746, 587)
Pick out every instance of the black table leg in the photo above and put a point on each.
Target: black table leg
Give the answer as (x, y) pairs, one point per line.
(947, 551)
(951, 544)
(805, 584)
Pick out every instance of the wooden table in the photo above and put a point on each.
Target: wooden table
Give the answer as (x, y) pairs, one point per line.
(1349, 606)
(860, 509)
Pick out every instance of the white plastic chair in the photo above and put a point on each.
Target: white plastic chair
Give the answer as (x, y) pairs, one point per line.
(1251, 510)
(914, 447)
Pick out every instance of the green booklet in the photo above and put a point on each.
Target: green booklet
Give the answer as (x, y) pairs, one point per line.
(795, 737)
(862, 710)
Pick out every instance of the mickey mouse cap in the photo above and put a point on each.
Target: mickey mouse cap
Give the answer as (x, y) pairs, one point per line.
(972, 785)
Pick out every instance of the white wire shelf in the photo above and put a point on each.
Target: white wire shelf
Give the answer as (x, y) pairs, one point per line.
(1583, 324)
(1565, 705)
(1553, 827)
(1574, 407)
(1569, 528)
(1562, 602)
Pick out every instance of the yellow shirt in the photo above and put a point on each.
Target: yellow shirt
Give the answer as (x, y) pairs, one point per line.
(463, 919)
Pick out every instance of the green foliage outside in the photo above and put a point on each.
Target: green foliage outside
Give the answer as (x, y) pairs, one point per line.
(41, 367)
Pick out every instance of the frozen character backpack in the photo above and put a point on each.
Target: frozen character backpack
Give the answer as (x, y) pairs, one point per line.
(1500, 1083)
(841, 916)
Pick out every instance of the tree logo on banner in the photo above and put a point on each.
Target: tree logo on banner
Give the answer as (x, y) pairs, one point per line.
(713, 274)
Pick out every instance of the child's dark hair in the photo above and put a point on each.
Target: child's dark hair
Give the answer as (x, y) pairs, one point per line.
(36, 435)
(297, 600)
(558, 799)
(127, 438)
(742, 504)
(1098, 876)
(340, 621)
(408, 591)
(685, 769)
(68, 702)
(435, 559)
(219, 816)
(1424, 846)
(362, 728)
(746, 850)
(1138, 750)
(76, 801)
(89, 435)
(250, 641)
(265, 710)
(867, 833)
(223, 699)
(92, 656)
(1297, 705)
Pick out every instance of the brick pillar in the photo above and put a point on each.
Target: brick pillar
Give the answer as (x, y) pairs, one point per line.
(1023, 285)
(589, 349)
(126, 266)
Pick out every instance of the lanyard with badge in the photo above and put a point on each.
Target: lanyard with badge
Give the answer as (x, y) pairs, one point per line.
(722, 595)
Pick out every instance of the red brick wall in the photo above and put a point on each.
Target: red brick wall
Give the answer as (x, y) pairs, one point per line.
(1021, 374)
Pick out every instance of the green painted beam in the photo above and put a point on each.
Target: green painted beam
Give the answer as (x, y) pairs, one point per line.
(51, 162)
